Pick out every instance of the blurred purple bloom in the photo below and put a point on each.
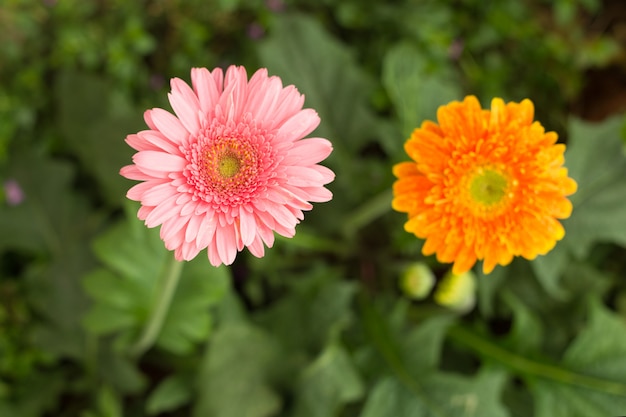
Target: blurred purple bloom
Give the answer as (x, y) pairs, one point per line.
(13, 192)
(275, 5)
(255, 31)
(456, 49)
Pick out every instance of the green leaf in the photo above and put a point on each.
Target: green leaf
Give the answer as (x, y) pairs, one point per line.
(234, 377)
(527, 332)
(125, 293)
(109, 403)
(416, 88)
(398, 345)
(593, 381)
(303, 53)
(317, 309)
(327, 384)
(596, 161)
(94, 119)
(37, 395)
(51, 225)
(170, 394)
(120, 372)
(415, 387)
(439, 395)
(589, 381)
(549, 268)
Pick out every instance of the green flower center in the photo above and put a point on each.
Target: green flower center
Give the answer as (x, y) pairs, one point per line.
(488, 187)
(228, 165)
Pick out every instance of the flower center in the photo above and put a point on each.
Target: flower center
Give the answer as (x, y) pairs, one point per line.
(228, 165)
(488, 186)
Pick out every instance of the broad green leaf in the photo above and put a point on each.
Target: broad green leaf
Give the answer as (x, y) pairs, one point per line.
(109, 403)
(170, 394)
(439, 395)
(233, 380)
(51, 225)
(327, 384)
(415, 87)
(126, 293)
(303, 53)
(527, 332)
(591, 380)
(94, 119)
(595, 159)
(317, 308)
(549, 268)
(38, 395)
(407, 352)
(414, 386)
(120, 372)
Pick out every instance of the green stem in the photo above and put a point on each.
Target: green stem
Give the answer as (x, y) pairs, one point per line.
(525, 366)
(167, 288)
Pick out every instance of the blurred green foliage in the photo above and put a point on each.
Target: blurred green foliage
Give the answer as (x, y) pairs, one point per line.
(319, 326)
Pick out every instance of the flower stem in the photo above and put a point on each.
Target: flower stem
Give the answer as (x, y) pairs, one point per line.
(526, 366)
(167, 287)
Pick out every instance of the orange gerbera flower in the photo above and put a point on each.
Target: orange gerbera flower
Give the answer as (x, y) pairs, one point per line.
(484, 185)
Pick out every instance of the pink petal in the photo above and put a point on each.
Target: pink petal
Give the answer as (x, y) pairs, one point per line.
(233, 98)
(263, 96)
(133, 173)
(144, 211)
(317, 194)
(299, 125)
(247, 226)
(282, 215)
(303, 176)
(206, 230)
(308, 152)
(191, 232)
(138, 143)
(256, 248)
(327, 174)
(156, 138)
(290, 102)
(206, 88)
(185, 104)
(147, 116)
(226, 244)
(157, 194)
(159, 161)
(214, 257)
(169, 125)
(137, 191)
(189, 250)
(167, 209)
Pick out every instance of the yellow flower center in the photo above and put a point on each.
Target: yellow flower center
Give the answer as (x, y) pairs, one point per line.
(228, 165)
(488, 187)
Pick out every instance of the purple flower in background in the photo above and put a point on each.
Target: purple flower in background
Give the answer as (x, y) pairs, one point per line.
(255, 31)
(13, 192)
(456, 49)
(275, 5)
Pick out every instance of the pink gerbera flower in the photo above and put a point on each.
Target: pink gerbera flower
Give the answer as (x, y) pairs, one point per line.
(231, 168)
